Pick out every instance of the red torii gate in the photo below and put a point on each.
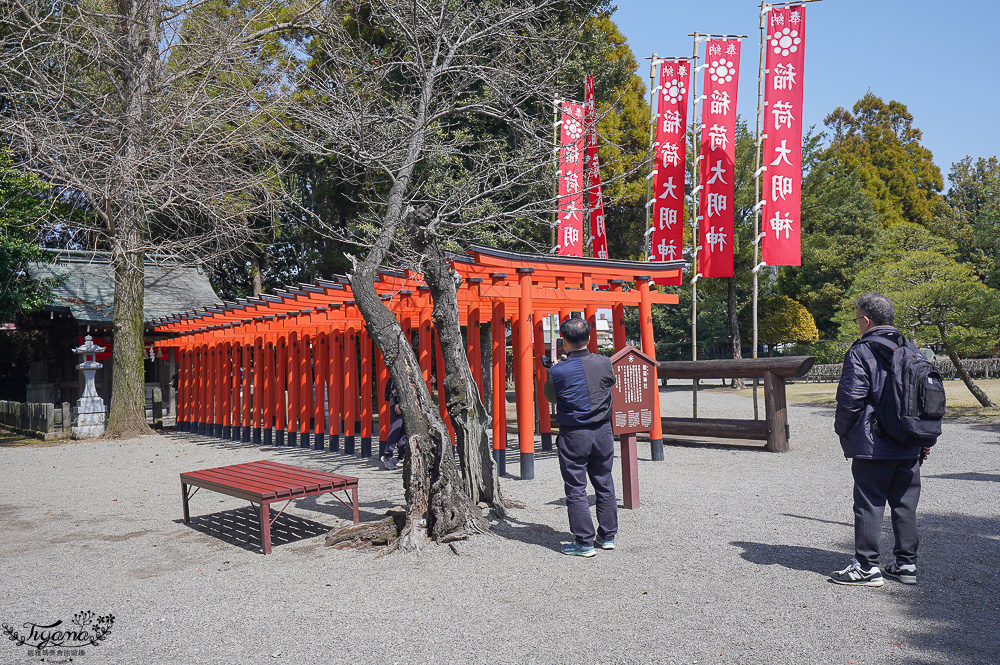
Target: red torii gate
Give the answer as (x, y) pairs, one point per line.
(308, 343)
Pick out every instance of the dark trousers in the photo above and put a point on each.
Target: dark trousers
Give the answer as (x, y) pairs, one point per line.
(878, 481)
(396, 439)
(583, 452)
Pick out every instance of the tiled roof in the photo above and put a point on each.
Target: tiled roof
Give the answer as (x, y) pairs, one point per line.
(88, 288)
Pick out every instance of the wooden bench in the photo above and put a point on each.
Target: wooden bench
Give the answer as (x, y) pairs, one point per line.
(774, 371)
(265, 482)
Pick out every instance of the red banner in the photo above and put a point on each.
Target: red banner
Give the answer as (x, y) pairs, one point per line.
(670, 154)
(569, 240)
(718, 158)
(782, 151)
(592, 164)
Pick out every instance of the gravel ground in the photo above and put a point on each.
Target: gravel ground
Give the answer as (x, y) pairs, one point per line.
(725, 561)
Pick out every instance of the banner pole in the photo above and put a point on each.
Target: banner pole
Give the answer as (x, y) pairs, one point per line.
(757, 188)
(588, 232)
(553, 319)
(646, 256)
(695, 129)
(555, 170)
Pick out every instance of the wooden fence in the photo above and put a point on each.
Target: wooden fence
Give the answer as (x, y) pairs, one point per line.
(774, 371)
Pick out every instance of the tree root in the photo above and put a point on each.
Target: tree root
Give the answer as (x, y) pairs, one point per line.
(514, 503)
(369, 534)
(128, 431)
(391, 532)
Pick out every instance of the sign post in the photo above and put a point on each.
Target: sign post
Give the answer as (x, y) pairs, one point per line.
(631, 412)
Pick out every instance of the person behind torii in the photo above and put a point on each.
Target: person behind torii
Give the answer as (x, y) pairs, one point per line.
(396, 439)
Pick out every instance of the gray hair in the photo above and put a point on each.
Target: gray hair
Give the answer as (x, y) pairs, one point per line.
(877, 308)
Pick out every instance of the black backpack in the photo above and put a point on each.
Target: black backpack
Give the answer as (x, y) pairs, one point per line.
(912, 403)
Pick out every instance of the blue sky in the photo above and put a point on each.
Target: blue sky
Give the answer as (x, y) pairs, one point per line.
(941, 59)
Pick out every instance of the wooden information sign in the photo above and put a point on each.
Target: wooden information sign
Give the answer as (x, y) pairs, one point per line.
(632, 411)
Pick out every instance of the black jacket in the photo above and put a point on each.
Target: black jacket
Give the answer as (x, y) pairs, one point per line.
(860, 389)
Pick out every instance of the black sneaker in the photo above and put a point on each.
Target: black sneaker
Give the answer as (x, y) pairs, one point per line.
(907, 574)
(853, 575)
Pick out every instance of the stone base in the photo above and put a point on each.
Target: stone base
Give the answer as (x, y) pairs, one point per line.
(90, 418)
(88, 431)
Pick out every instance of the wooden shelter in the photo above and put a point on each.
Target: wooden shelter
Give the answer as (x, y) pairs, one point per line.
(298, 363)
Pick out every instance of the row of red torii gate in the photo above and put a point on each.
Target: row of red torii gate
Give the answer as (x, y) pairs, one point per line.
(297, 368)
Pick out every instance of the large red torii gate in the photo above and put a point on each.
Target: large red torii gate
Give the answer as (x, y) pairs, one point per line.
(309, 343)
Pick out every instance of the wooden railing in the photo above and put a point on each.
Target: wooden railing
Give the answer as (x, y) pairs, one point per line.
(773, 371)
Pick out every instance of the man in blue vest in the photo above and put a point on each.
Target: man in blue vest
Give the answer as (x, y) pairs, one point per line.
(580, 385)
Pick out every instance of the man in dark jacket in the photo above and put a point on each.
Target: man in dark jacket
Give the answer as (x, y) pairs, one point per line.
(580, 385)
(883, 469)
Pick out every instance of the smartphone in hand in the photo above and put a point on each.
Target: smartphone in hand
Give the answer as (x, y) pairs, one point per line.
(546, 361)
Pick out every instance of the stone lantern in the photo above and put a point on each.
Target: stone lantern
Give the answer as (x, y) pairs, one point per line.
(90, 407)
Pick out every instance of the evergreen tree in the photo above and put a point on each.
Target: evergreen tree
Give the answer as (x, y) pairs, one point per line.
(25, 206)
(937, 299)
(839, 222)
(973, 219)
(782, 320)
(622, 127)
(877, 140)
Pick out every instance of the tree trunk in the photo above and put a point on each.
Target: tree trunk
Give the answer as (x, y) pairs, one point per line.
(255, 274)
(464, 403)
(734, 332)
(436, 503)
(963, 373)
(127, 415)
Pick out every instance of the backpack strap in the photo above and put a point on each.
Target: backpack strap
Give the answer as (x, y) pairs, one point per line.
(881, 358)
(884, 342)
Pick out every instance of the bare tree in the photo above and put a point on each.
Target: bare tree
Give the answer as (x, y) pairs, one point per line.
(444, 108)
(158, 113)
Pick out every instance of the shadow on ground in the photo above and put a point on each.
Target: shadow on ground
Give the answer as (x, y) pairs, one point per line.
(241, 527)
(714, 444)
(970, 475)
(338, 460)
(954, 608)
(953, 613)
(10, 439)
(529, 533)
(795, 557)
(987, 427)
(817, 519)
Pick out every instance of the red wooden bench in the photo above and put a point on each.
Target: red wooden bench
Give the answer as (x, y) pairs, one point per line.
(265, 482)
